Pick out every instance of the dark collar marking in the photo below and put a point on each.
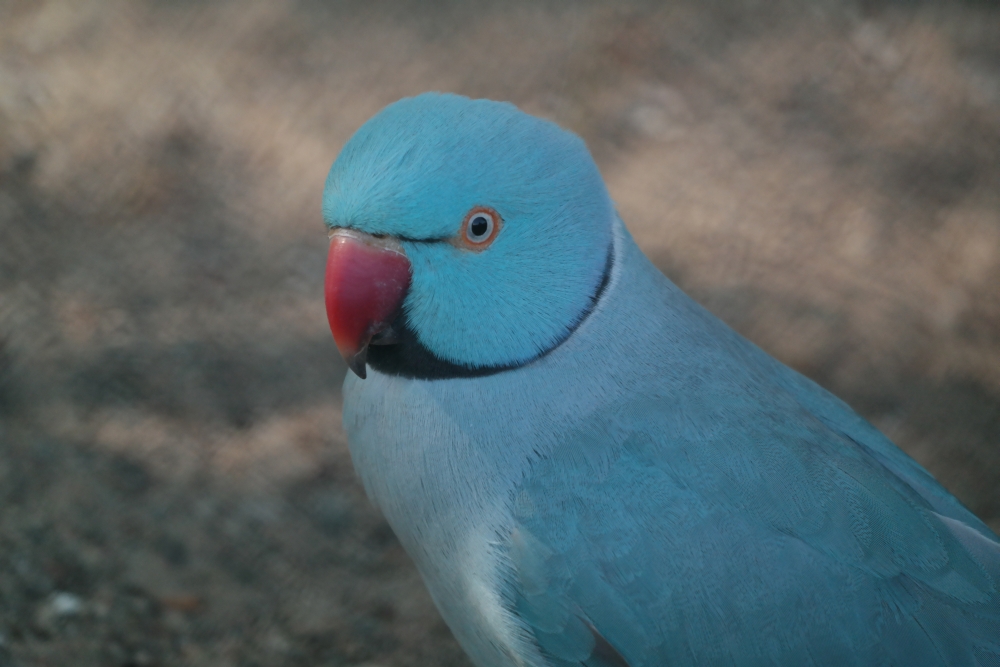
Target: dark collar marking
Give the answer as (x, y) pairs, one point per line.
(409, 358)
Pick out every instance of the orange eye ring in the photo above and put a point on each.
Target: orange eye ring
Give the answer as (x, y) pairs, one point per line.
(479, 228)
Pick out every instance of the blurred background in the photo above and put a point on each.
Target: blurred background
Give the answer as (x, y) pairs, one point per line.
(175, 487)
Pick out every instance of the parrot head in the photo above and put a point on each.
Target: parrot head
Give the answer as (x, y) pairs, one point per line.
(467, 237)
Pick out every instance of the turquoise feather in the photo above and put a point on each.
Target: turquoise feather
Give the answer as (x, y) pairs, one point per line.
(419, 166)
(642, 486)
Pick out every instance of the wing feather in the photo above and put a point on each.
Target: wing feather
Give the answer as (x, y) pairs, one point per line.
(748, 536)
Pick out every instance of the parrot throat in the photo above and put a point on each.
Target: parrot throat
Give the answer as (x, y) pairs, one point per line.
(410, 358)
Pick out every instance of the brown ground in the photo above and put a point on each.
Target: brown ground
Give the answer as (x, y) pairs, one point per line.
(174, 484)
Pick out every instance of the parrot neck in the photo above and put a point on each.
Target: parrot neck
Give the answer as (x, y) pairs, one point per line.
(443, 460)
(410, 358)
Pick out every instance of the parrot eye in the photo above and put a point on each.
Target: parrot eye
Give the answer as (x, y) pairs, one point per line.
(479, 228)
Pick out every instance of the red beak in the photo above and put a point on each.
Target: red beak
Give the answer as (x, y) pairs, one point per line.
(366, 280)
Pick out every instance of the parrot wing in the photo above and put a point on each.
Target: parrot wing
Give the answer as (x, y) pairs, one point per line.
(753, 534)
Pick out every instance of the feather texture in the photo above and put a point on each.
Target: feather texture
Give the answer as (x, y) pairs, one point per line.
(420, 165)
(655, 490)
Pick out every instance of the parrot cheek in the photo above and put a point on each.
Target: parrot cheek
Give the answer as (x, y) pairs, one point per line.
(366, 280)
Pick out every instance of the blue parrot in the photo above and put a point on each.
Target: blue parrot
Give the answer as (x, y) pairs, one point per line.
(586, 466)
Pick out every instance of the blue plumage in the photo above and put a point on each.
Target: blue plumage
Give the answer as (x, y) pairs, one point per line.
(414, 170)
(640, 485)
